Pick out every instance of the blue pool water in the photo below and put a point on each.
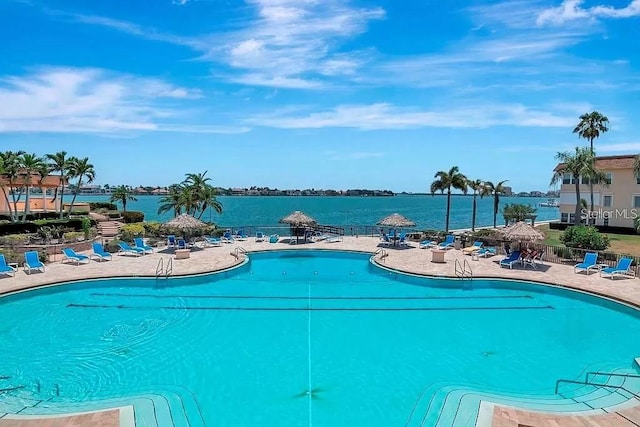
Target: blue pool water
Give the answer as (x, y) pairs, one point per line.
(307, 338)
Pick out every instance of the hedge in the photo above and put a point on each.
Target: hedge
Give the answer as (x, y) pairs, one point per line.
(34, 216)
(33, 227)
(103, 205)
(132, 216)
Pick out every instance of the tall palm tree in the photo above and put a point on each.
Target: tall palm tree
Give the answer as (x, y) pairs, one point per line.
(577, 164)
(59, 162)
(476, 186)
(495, 190)
(81, 169)
(11, 161)
(209, 201)
(31, 165)
(446, 181)
(172, 201)
(123, 194)
(590, 127)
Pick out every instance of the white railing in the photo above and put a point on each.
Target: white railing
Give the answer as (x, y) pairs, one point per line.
(463, 269)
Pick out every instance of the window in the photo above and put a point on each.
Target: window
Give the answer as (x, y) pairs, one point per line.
(637, 179)
(607, 201)
(609, 178)
(585, 180)
(636, 201)
(567, 178)
(572, 218)
(564, 217)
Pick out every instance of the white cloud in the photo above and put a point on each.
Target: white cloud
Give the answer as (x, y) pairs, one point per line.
(92, 100)
(387, 116)
(180, 2)
(572, 10)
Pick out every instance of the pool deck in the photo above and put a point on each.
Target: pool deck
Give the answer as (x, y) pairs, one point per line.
(407, 259)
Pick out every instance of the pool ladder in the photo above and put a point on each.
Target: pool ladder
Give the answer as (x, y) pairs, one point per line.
(605, 374)
(161, 271)
(383, 254)
(463, 270)
(237, 251)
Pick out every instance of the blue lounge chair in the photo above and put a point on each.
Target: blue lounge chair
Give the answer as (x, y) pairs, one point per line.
(6, 268)
(68, 254)
(588, 263)
(473, 248)
(240, 235)
(99, 253)
(274, 238)
(182, 244)
(139, 242)
(32, 262)
(513, 258)
(384, 240)
(212, 241)
(171, 241)
(448, 242)
(427, 244)
(227, 237)
(126, 249)
(259, 236)
(485, 252)
(622, 269)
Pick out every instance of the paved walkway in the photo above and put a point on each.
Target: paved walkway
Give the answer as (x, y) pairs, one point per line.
(410, 259)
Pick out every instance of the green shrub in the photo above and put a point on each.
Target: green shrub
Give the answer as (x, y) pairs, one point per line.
(103, 205)
(584, 237)
(73, 236)
(129, 231)
(565, 253)
(132, 217)
(111, 246)
(86, 227)
(14, 240)
(113, 214)
(153, 228)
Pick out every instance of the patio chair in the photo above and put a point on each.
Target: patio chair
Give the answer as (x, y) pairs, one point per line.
(448, 242)
(6, 268)
(274, 238)
(427, 244)
(590, 262)
(531, 259)
(99, 253)
(139, 243)
(473, 248)
(126, 249)
(623, 268)
(259, 236)
(227, 237)
(384, 240)
(212, 241)
(240, 235)
(484, 252)
(513, 258)
(32, 262)
(182, 244)
(171, 241)
(68, 254)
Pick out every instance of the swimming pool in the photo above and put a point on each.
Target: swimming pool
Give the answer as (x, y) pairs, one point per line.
(299, 338)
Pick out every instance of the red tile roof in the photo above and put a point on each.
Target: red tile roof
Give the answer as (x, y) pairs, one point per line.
(609, 162)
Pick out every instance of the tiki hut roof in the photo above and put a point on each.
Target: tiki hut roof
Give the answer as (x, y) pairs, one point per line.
(521, 231)
(185, 222)
(298, 219)
(396, 220)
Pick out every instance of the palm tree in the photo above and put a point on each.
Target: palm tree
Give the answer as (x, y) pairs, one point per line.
(80, 168)
(636, 165)
(173, 201)
(59, 162)
(590, 127)
(31, 165)
(209, 200)
(123, 194)
(578, 164)
(445, 181)
(11, 161)
(495, 190)
(476, 186)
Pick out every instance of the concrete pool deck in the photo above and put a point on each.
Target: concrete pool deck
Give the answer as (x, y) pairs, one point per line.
(407, 259)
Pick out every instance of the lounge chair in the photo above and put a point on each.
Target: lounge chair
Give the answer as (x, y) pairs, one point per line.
(32, 262)
(531, 259)
(240, 235)
(259, 236)
(513, 258)
(485, 252)
(384, 240)
(182, 244)
(448, 242)
(473, 248)
(590, 262)
(6, 268)
(427, 244)
(274, 238)
(227, 237)
(68, 254)
(171, 241)
(333, 239)
(126, 249)
(212, 241)
(99, 253)
(139, 243)
(622, 269)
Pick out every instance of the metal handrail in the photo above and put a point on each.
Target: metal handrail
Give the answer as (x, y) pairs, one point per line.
(615, 387)
(463, 270)
(169, 269)
(237, 251)
(466, 265)
(383, 254)
(160, 267)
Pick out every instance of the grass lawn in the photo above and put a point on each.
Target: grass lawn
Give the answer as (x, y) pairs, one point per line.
(620, 243)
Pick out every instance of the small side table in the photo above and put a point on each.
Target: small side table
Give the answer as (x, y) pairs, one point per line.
(475, 256)
(437, 256)
(183, 253)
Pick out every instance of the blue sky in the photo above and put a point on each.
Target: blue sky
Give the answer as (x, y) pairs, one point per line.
(317, 93)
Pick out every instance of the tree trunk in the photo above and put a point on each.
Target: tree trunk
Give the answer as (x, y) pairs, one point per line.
(446, 227)
(61, 201)
(15, 202)
(27, 201)
(576, 220)
(590, 181)
(6, 198)
(124, 205)
(473, 215)
(75, 194)
(496, 203)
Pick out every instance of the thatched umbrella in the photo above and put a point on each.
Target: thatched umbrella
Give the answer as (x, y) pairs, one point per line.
(297, 220)
(185, 223)
(521, 231)
(396, 221)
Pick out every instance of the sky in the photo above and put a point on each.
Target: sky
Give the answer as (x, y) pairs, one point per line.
(317, 93)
